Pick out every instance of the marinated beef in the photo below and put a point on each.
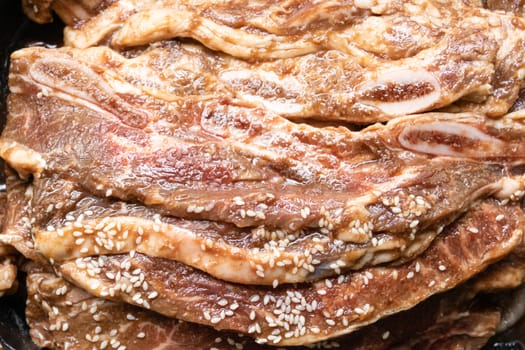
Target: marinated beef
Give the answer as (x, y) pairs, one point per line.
(349, 198)
(302, 314)
(214, 175)
(362, 61)
(61, 314)
(8, 256)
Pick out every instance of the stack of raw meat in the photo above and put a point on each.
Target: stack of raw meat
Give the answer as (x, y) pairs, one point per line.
(250, 174)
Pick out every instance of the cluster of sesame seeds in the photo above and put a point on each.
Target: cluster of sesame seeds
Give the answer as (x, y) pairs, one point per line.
(290, 325)
(292, 314)
(517, 195)
(225, 309)
(106, 234)
(53, 312)
(305, 212)
(406, 205)
(276, 237)
(377, 242)
(412, 273)
(44, 92)
(327, 222)
(361, 228)
(288, 316)
(197, 209)
(337, 265)
(275, 254)
(253, 211)
(124, 281)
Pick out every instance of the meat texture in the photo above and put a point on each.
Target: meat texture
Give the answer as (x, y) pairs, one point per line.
(278, 188)
(64, 316)
(71, 12)
(302, 314)
(414, 57)
(215, 176)
(512, 6)
(8, 256)
(166, 286)
(61, 314)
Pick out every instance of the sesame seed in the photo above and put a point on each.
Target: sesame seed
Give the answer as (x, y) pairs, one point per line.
(396, 210)
(238, 200)
(305, 212)
(330, 322)
(315, 330)
(385, 335)
(473, 230)
(410, 275)
(442, 267)
(141, 335)
(500, 217)
(206, 315)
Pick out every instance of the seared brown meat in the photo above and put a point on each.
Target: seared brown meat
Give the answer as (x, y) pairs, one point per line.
(8, 255)
(70, 11)
(252, 29)
(302, 314)
(339, 194)
(61, 314)
(353, 61)
(89, 225)
(229, 191)
(512, 6)
(8, 270)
